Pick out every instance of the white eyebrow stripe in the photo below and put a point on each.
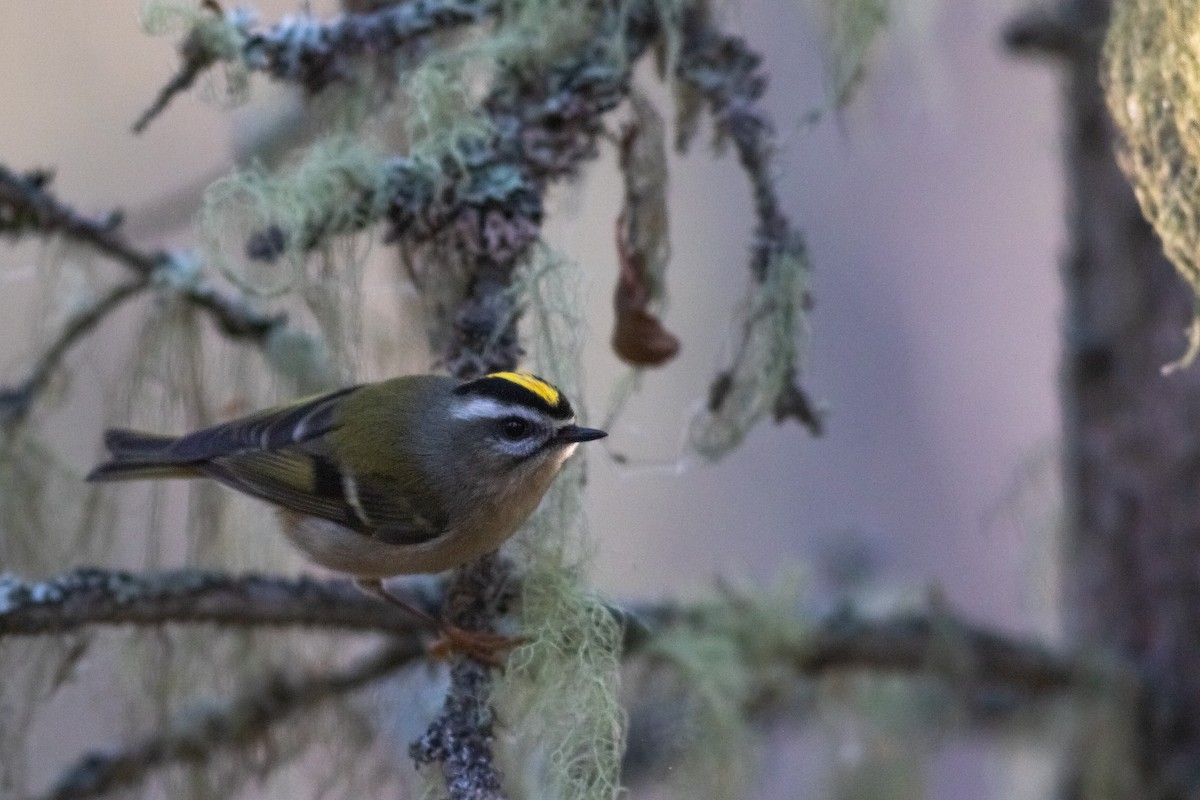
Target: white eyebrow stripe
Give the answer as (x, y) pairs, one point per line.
(489, 408)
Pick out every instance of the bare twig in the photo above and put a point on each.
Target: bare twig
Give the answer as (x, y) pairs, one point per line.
(27, 206)
(1042, 32)
(197, 735)
(93, 597)
(315, 54)
(16, 401)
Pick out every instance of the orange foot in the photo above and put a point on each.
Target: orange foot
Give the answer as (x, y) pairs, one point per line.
(489, 649)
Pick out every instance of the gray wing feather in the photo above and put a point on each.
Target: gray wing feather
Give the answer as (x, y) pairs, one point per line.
(272, 429)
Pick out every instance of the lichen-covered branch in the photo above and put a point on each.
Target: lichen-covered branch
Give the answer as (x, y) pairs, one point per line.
(902, 643)
(197, 735)
(310, 52)
(459, 740)
(16, 400)
(908, 643)
(995, 675)
(724, 71)
(484, 207)
(86, 597)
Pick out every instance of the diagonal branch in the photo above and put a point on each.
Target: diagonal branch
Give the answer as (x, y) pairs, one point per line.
(27, 206)
(16, 401)
(725, 72)
(197, 735)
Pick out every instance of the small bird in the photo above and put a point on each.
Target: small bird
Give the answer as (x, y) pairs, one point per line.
(415, 474)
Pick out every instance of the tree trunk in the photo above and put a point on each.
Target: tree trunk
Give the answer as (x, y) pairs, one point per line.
(1131, 435)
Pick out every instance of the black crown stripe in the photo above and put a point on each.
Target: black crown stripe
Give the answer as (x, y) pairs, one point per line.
(509, 391)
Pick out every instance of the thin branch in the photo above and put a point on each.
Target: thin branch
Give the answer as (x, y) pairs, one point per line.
(196, 59)
(197, 735)
(1042, 32)
(908, 643)
(87, 597)
(16, 401)
(27, 206)
(725, 72)
(316, 54)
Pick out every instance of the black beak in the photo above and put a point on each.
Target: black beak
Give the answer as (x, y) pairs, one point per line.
(574, 433)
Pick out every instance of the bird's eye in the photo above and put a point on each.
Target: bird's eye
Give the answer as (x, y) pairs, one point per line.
(514, 428)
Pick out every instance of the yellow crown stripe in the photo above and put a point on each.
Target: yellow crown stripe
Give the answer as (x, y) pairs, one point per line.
(533, 383)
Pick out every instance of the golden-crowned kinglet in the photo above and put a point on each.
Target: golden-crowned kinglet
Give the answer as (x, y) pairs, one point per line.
(414, 474)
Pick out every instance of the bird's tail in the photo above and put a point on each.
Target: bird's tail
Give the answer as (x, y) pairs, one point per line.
(137, 455)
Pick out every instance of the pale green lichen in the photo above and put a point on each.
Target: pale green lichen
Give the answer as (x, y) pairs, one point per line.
(1152, 78)
(34, 669)
(334, 188)
(851, 30)
(771, 326)
(731, 658)
(50, 518)
(562, 723)
(563, 729)
(219, 36)
(177, 17)
(441, 115)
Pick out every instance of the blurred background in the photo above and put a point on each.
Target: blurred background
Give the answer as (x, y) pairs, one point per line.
(934, 216)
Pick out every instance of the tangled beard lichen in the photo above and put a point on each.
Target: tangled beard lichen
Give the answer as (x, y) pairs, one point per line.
(336, 186)
(561, 730)
(1151, 75)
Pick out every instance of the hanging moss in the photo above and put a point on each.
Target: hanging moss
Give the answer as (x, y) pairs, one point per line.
(563, 728)
(259, 226)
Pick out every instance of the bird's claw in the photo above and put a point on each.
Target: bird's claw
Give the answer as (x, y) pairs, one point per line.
(489, 649)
